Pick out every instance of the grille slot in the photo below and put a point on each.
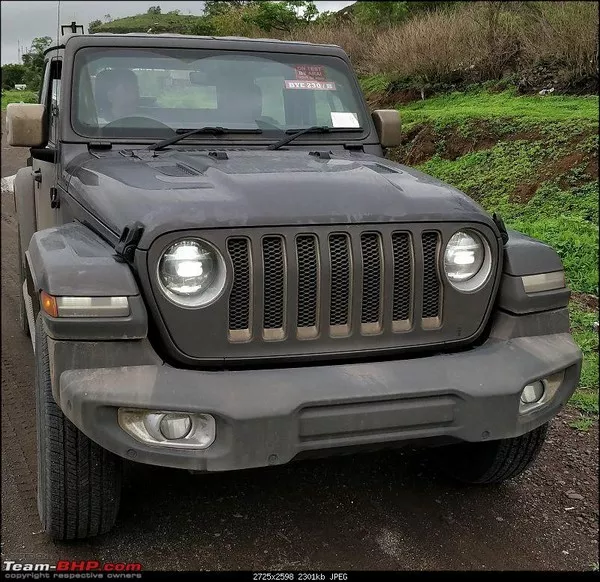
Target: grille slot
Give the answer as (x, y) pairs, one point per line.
(372, 283)
(308, 286)
(241, 291)
(341, 280)
(431, 281)
(274, 288)
(403, 281)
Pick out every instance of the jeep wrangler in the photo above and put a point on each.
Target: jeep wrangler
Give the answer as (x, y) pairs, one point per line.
(221, 270)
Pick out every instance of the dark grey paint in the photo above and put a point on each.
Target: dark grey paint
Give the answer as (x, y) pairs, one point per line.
(262, 188)
(463, 315)
(268, 416)
(72, 260)
(512, 297)
(527, 256)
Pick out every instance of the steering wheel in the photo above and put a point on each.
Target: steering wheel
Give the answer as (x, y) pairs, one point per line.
(137, 122)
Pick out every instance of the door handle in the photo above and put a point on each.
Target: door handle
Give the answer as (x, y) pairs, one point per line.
(37, 175)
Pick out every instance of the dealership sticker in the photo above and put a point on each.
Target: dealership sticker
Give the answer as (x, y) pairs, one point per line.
(344, 119)
(310, 73)
(314, 85)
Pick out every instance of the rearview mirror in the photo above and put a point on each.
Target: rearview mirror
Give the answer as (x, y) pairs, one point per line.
(388, 126)
(25, 124)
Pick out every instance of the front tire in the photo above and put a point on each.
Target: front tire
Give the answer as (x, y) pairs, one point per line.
(23, 322)
(493, 462)
(79, 482)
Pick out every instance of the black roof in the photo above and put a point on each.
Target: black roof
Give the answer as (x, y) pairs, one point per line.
(174, 40)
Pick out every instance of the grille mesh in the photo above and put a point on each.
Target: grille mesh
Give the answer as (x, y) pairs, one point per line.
(274, 282)
(402, 276)
(239, 300)
(431, 282)
(308, 283)
(339, 252)
(371, 283)
(326, 284)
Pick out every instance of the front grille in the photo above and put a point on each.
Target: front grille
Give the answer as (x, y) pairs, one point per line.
(335, 282)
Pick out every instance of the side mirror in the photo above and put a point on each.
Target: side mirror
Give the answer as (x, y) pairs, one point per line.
(25, 124)
(388, 126)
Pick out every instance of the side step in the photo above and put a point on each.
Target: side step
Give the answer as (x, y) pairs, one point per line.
(29, 310)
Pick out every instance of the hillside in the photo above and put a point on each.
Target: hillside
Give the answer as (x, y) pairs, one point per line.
(534, 160)
(157, 23)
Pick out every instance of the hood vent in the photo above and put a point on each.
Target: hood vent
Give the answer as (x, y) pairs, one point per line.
(174, 170)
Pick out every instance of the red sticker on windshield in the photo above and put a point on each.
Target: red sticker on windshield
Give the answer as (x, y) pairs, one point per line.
(314, 85)
(310, 73)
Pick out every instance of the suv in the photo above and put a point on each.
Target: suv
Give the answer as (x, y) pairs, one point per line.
(221, 270)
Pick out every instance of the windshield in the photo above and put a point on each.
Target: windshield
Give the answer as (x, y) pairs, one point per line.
(130, 92)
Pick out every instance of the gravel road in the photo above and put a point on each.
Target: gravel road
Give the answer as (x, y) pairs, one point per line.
(373, 511)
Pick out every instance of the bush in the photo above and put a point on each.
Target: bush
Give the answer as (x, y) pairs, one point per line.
(472, 43)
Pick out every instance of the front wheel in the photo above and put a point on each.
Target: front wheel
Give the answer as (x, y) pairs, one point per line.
(493, 462)
(79, 482)
(23, 323)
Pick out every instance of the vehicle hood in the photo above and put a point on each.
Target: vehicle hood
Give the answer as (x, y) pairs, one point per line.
(178, 190)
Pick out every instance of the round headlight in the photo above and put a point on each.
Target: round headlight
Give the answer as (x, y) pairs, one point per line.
(191, 273)
(467, 260)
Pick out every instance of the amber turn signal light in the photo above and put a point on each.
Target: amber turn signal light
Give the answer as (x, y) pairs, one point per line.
(49, 304)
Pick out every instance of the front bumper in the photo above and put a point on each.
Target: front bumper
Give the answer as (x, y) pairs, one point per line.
(269, 416)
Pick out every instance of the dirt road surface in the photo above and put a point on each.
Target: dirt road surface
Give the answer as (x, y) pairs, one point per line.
(373, 511)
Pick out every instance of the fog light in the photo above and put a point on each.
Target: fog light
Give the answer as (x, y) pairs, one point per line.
(168, 428)
(532, 392)
(175, 426)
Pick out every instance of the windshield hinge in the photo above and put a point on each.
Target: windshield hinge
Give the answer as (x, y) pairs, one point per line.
(354, 147)
(321, 154)
(130, 237)
(218, 155)
(99, 145)
(501, 227)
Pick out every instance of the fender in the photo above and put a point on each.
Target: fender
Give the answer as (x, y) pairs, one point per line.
(71, 260)
(524, 255)
(25, 205)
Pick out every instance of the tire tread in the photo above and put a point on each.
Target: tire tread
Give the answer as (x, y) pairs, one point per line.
(80, 481)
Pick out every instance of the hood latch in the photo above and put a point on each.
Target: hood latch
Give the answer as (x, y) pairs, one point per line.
(130, 238)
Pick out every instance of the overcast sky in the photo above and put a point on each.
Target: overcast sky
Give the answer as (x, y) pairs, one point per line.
(23, 21)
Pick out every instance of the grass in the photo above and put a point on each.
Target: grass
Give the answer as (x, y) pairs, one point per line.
(17, 97)
(463, 106)
(536, 170)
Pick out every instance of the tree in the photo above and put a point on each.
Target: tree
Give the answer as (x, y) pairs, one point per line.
(33, 61)
(154, 10)
(380, 13)
(219, 7)
(282, 16)
(93, 26)
(12, 74)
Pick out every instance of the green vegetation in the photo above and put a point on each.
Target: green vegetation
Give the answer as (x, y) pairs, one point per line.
(17, 97)
(525, 159)
(458, 107)
(533, 160)
(30, 71)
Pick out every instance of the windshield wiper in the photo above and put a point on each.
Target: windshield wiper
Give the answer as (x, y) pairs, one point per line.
(312, 129)
(183, 133)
